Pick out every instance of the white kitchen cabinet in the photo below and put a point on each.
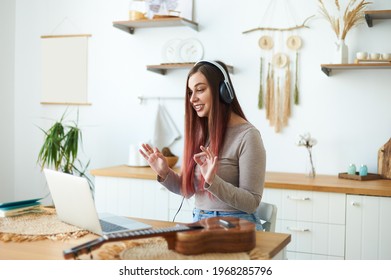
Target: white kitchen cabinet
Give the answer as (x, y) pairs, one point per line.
(140, 198)
(368, 227)
(131, 197)
(324, 218)
(315, 220)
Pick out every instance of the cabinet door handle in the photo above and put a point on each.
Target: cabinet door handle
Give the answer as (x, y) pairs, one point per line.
(355, 203)
(298, 198)
(298, 229)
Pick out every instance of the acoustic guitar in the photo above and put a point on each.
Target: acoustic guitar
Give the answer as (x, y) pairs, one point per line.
(216, 234)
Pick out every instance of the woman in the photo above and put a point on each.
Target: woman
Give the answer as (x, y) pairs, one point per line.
(224, 158)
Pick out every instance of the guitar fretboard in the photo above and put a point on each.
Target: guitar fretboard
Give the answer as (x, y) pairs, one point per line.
(146, 232)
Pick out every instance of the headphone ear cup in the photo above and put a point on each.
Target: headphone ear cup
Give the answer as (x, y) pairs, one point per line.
(224, 93)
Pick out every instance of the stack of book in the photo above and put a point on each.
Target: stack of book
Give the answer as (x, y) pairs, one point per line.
(14, 208)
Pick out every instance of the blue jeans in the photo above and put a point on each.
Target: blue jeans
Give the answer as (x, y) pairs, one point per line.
(202, 214)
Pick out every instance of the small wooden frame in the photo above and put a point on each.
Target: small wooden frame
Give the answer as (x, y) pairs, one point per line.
(357, 61)
(370, 176)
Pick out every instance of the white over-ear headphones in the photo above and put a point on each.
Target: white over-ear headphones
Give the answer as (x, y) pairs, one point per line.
(225, 89)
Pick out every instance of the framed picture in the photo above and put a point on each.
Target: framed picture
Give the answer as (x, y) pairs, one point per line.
(180, 8)
(65, 69)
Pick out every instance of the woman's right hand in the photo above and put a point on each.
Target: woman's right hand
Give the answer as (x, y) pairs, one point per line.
(155, 159)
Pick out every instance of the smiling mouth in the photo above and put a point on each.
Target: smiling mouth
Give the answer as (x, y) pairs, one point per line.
(198, 107)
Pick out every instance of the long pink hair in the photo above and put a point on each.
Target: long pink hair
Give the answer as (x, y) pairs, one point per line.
(199, 130)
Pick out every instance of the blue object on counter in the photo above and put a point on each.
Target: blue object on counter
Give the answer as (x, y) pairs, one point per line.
(363, 170)
(352, 169)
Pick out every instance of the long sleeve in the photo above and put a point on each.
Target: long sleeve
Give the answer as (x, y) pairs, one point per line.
(247, 193)
(172, 182)
(240, 177)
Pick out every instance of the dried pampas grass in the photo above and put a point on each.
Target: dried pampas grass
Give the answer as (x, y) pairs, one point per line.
(351, 17)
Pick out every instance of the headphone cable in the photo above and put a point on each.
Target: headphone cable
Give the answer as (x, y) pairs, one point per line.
(179, 209)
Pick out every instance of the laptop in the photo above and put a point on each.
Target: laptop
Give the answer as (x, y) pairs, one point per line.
(74, 203)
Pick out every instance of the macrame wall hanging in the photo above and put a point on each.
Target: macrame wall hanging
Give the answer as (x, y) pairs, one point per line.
(279, 62)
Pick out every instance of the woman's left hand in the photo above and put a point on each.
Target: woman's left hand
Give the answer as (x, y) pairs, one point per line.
(208, 164)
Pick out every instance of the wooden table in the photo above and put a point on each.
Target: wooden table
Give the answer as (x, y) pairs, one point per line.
(269, 245)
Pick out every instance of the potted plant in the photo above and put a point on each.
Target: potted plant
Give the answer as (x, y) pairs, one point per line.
(60, 148)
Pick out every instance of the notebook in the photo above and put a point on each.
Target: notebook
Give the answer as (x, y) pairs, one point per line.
(74, 203)
(15, 208)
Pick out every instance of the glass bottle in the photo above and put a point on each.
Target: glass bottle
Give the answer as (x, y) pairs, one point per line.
(352, 169)
(363, 170)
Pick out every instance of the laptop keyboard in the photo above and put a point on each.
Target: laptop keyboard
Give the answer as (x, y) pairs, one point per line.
(109, 227)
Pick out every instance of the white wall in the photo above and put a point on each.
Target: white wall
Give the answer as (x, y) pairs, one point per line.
(7, 52)
(348, 112)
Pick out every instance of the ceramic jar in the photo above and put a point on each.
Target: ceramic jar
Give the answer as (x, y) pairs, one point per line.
(363, 170)
(352, 169)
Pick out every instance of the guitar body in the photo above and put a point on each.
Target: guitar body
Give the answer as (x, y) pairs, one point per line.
(210, 235)
(215, 238)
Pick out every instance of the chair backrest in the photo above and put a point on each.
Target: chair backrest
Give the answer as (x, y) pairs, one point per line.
(268, 214)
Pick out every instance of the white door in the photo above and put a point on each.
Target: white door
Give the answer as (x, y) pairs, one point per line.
(368, 227)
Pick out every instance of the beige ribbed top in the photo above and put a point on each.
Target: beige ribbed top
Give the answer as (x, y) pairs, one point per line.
(239, 182)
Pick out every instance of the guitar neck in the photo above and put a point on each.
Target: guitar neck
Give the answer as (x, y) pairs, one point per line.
(89, 246)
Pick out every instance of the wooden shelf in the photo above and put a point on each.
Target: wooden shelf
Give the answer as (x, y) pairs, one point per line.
(130, 25)
(369, 17)
(380, 14)
(162, 68)
(327, 68)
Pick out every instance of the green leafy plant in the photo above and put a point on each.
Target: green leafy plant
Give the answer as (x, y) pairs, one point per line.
(60, 148)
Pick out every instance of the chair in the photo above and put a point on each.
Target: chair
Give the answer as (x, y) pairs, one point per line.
(268, 214)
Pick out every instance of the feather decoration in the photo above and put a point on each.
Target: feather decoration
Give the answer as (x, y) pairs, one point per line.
(272, 104)
(267, 97)
(277, 112)
(296, 90)
(287, 97)
(260, 94)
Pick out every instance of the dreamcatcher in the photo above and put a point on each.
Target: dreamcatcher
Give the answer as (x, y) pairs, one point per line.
(280, 48)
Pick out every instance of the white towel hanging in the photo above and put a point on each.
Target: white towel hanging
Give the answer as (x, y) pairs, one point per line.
(165, 132)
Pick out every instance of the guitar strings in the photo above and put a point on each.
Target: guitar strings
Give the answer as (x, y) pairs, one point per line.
(179, 209)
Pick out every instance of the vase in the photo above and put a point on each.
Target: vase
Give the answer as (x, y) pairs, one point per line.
(342, 53)
(311, 172)
(310, 167)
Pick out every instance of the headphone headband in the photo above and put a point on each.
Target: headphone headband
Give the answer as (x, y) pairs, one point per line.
(226, 92)
(217, 65)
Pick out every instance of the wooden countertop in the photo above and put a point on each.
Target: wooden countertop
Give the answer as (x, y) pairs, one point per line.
(277, 180)
(125, 172)
(327, 183)
(268, 245)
